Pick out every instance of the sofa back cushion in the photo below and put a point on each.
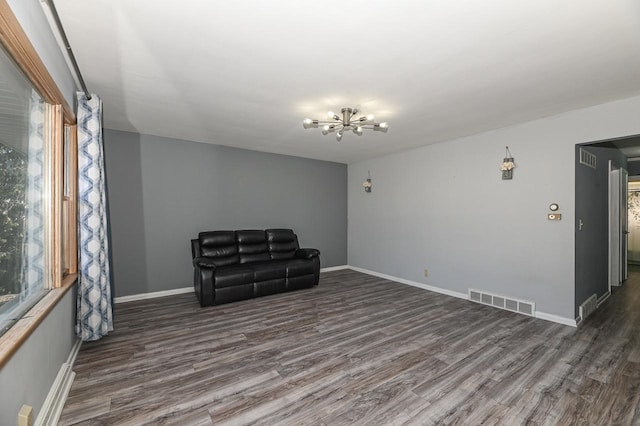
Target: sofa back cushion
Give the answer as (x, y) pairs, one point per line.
(220, 246)
(252, 246)
(283, 243)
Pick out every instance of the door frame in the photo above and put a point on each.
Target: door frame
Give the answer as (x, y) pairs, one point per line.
(618, 223)
(624, 223)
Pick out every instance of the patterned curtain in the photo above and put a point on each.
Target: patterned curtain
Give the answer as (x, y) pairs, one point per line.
(95, 316)
(33, 257)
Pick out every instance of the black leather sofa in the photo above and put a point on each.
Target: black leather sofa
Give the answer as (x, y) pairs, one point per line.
(238, 265)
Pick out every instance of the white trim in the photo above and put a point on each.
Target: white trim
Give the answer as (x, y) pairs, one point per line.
(411, 283)
(541, 315)
(54, 403)
(74, 352)
(153, 295)
(334, 268)
(556, 318)
(603, 298)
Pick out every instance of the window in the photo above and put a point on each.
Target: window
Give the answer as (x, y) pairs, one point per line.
(69, 202)
(38, 247)
(25, 185)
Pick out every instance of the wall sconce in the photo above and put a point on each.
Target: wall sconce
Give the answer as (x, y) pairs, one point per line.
(507, 165)
(367, 183)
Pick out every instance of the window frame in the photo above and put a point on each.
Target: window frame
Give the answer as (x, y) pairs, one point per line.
(63, 275)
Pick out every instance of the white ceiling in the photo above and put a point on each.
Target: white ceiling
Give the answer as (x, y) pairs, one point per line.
(245, 73)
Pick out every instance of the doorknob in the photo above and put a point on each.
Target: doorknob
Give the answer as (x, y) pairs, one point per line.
(580, 225)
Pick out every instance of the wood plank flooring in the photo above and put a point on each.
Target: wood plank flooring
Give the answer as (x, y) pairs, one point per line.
(358, 350)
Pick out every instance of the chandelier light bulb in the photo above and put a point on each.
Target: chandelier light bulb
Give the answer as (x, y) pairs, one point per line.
(370, 118)
(339, 135)
(330, 114)
(308, 123)
(326, 129)
(358, 130)
(382, 127)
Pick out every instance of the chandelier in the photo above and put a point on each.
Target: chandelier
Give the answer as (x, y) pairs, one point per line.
(347, 122)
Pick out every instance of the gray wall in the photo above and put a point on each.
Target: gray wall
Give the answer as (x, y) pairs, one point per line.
(29, 374)
(34, 23)
(444, 207)
(592, 207)
(162, 192)
(27, 377)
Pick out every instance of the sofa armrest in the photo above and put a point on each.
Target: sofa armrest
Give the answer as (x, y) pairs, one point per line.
(307, 253)
(204, 262)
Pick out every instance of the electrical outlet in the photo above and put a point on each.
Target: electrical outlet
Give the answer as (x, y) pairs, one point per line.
(426, 272)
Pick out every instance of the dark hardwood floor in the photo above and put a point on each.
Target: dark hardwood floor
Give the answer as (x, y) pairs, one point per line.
(359, 350)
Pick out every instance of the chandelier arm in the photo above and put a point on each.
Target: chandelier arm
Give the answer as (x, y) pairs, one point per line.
(329, 122)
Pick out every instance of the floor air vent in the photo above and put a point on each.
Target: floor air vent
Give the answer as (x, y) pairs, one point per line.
(588, 306)
(502, 302)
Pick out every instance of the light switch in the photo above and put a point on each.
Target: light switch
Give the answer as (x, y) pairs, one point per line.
(554, 216)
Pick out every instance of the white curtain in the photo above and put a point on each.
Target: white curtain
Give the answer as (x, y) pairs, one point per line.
(95, 316)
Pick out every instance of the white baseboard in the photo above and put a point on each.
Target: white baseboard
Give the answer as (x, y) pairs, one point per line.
(557, 319)
(153, 295)
(411, 283)
(541, 315)
(54, 403)
(334, 268)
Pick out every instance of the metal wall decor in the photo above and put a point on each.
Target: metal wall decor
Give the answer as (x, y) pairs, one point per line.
(507, 165)
(367, 183)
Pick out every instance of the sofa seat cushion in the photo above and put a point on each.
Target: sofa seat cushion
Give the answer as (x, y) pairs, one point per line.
(298, 267)
(269, 270)
(233, 294)
(233, 275)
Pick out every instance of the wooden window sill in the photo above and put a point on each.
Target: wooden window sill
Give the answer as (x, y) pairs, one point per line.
(25, 326)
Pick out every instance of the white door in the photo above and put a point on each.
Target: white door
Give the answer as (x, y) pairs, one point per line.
(618, 224)
(614, 226)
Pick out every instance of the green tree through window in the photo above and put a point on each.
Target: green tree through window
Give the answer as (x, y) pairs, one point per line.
(13, 173)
